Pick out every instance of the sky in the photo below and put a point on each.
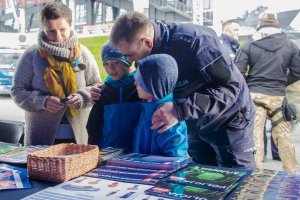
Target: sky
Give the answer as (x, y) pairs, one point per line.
(236, 8)
(231, 9)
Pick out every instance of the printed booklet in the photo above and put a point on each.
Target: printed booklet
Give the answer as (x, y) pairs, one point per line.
(13, 177)
(122, 178)
(110, 152)
(179, 191)
(115, 167)
(255, 185)
(17, 155)
(214, 178)
(129, 174)
(89, 188)
(159, 174)
(138, 160)
(269, 185)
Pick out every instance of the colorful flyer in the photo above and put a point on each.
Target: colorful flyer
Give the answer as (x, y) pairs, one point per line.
(13, 177)
(17, 155)
(89, 188)
(214, 178)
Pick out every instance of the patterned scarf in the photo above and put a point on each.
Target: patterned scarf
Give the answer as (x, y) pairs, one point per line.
(66, 74)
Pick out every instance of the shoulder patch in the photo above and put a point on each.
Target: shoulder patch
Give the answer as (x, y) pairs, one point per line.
(184, 37)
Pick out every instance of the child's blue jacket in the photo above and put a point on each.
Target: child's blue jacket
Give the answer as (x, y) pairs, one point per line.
(172, 142)
(114, 117)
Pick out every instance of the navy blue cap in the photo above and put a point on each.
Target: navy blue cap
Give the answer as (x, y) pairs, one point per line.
(109, 53)
(159, 73)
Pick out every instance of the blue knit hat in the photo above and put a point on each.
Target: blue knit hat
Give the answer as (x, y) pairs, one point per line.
(109, 53)
(158, 74)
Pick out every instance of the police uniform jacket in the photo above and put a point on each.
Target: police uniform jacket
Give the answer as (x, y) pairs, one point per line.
(210, 88)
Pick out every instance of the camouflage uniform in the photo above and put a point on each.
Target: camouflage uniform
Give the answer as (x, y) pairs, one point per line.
(270, 62)
(265, 107)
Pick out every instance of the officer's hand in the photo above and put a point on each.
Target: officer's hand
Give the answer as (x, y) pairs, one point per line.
(96, 92)
(53, 104)
(164, 117)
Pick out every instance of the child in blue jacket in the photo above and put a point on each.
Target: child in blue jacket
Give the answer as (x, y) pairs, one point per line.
(155, 80)
(115, 115)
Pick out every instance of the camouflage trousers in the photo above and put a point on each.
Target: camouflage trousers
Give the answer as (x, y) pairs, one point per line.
(281, 132)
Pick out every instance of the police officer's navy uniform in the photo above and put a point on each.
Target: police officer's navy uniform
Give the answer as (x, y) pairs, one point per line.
(211, 94)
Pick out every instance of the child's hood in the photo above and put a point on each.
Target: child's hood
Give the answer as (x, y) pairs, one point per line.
(159, 73)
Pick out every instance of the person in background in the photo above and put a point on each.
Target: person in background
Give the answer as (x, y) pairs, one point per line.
(274, 63)
(230, 35)
(52, 81)
(293, 90)
(274, 149)
(115, 115)
(210, 91)
(155, 80)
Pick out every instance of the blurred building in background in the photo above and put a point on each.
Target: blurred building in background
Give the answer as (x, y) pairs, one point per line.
(90, 15)
(97, 16)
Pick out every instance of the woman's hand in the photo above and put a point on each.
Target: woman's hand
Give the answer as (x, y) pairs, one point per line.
(53, 104)
(73, 101)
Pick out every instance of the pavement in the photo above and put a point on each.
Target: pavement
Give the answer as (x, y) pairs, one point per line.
(277, 165)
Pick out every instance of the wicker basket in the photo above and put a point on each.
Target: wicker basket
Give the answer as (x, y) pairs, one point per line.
(62, 162)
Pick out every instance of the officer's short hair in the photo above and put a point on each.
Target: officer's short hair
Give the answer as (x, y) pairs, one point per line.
(228, 23)
(127, 26)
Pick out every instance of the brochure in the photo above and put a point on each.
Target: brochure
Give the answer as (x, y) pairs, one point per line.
(149, 197)
(17, 155)
(135, 174)
(138, 160)
(283, 185)
(110, 152)
(13, 177)
(6, 144)
(269, 185)
(116, 167)
(90, 189)
(122, 178)
(214, 178)
(179, 191)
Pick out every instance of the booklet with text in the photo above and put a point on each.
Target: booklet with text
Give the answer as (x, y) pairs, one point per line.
(179, 191)
(12, 177)
(211, 177)
(138, 160)
(16, 154)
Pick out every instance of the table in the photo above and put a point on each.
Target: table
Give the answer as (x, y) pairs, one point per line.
(261, 184)
(37, 185)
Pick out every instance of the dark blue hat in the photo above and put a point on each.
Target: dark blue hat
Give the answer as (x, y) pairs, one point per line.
(109, 53)
(159, 74)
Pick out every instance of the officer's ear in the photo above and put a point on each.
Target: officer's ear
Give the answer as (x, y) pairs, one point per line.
(148, 42)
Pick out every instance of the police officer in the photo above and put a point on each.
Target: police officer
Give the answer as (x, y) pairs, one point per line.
(230, 35)
(210, 93)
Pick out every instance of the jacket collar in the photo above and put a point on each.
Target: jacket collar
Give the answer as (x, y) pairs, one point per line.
(149, 107)
(159, 35)
(125, 80)
(265, 32)
(234, 44)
